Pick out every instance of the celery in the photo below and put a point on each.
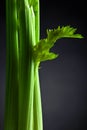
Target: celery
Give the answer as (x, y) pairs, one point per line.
(11, 107)
(25, 51)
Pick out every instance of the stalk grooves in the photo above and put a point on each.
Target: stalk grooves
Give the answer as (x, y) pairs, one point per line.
(23, 101)
(11, 106)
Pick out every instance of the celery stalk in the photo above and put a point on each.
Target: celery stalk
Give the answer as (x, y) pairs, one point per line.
(22, 93)
(37, 103)
(25, 51)
(28, 93)
(26, 67)
(11, 106)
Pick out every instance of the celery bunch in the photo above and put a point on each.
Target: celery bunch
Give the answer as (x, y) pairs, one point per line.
(25, 51)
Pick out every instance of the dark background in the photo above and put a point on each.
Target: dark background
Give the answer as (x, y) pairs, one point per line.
(63, 80)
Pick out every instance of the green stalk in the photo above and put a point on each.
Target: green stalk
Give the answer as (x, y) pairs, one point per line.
(11, 105)
(36, 7)
(28, 91)
(23, 102)
(38, 121)
(37, 102)
(25, 67)
(25, 50)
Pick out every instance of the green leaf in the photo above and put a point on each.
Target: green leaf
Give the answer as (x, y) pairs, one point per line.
(41, 51)
(63, 32)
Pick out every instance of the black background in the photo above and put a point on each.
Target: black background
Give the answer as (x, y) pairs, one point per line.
(63, 80)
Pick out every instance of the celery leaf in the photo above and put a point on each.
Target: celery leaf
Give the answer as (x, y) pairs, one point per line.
(41, 50)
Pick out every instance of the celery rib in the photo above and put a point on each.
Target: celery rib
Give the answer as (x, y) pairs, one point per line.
(23, 102)
(11, 99)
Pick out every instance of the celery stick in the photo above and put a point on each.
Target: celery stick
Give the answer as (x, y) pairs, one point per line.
(11, 99)
(25, 52)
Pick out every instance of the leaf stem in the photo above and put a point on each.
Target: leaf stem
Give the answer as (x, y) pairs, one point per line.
(37, 102)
